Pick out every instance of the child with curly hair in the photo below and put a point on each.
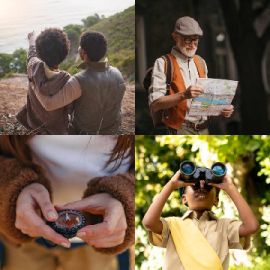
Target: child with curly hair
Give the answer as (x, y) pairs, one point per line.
(44, 57)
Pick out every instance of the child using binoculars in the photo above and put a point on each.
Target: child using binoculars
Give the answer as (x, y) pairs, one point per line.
(199, 240)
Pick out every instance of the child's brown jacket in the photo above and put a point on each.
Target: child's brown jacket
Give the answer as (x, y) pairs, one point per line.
(15, 176)
(33, 116)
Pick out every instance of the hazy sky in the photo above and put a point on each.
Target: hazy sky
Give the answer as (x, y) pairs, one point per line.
(18, 8)
(18, 17)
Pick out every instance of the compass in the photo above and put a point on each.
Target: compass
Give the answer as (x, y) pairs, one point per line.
(68, 223)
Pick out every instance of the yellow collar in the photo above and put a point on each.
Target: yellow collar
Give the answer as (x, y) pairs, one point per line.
(207, 215)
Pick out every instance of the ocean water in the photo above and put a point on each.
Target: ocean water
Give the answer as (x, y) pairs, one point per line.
(19, 17)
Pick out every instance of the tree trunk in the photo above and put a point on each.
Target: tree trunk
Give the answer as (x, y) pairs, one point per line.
(248, 52)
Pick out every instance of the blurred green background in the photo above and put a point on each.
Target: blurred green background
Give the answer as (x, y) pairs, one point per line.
(248, 162)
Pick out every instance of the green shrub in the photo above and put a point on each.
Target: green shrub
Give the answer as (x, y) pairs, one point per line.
(13, 63)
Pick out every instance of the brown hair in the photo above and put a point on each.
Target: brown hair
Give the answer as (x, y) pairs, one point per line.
(16, 146)
(124, 148)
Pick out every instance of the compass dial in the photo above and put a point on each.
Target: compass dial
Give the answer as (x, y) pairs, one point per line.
(68, 222)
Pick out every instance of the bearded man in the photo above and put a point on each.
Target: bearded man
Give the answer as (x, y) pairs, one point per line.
(174, 100)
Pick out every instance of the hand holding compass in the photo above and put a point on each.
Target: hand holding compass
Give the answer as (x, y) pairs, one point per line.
(33, 209)
(68, 223)
(109, 227)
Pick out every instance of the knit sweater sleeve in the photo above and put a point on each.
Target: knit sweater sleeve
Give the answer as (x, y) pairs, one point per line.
(121, 187)
(13, 178)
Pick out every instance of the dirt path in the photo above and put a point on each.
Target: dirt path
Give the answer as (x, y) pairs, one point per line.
(13, 96)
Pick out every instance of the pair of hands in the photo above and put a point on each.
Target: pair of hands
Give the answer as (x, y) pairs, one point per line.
(195, 90)
(34, 200)
(226, 184)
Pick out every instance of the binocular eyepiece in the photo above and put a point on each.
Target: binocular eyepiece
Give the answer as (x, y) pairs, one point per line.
(190, 173)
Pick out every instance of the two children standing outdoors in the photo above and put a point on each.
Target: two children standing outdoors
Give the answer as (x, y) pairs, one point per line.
(58, 103)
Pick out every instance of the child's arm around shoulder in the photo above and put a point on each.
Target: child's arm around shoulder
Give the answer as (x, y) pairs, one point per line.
(151, 220)
(249, 224)
(66, 95)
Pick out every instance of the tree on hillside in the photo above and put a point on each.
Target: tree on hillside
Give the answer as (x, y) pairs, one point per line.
(19, 60)
(249, 48)
(73, 31)
(91, 20)
(15, 62)
(5, 60)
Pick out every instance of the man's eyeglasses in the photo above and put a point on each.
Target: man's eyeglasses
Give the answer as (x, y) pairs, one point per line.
(189, 40)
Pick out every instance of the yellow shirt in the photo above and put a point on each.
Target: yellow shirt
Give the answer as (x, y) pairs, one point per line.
(222, 235)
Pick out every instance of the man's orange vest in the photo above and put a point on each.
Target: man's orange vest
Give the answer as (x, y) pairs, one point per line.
(175, 116)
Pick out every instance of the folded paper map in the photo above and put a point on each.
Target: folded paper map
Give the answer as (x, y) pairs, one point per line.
(217, 95)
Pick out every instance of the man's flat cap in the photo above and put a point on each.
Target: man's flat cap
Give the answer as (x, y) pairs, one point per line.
(187, 26)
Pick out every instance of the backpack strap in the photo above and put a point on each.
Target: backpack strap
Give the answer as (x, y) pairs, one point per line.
(168, 70)
(158, 116)
(200, 65)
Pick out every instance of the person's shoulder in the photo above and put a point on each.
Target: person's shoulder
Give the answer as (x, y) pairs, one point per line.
(9, 166)
(224, 224)
(35, 64)
(36, 69)
(115, 73)
(59, 74)
(159, 63)
(172, 218)
(160, 59)
(64, 73)
(201, 59)
(80, 74)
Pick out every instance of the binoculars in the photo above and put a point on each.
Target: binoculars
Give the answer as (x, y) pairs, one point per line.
(190, 173)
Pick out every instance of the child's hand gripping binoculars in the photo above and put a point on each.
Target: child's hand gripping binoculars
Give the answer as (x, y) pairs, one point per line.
(190, 173)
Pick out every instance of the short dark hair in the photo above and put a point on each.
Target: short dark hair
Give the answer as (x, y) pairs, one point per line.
(52, 46)
(94, 44)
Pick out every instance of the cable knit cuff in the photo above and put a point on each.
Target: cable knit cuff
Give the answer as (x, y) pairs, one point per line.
(121, 187)
(13, 178)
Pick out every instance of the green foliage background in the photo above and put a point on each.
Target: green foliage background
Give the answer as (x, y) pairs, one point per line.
(120, 32)
(247, 157)
(18, 58)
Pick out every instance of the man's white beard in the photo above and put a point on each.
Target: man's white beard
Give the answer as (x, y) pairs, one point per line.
(187, 53)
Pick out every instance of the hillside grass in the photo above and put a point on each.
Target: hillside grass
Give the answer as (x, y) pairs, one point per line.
(119, 29)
